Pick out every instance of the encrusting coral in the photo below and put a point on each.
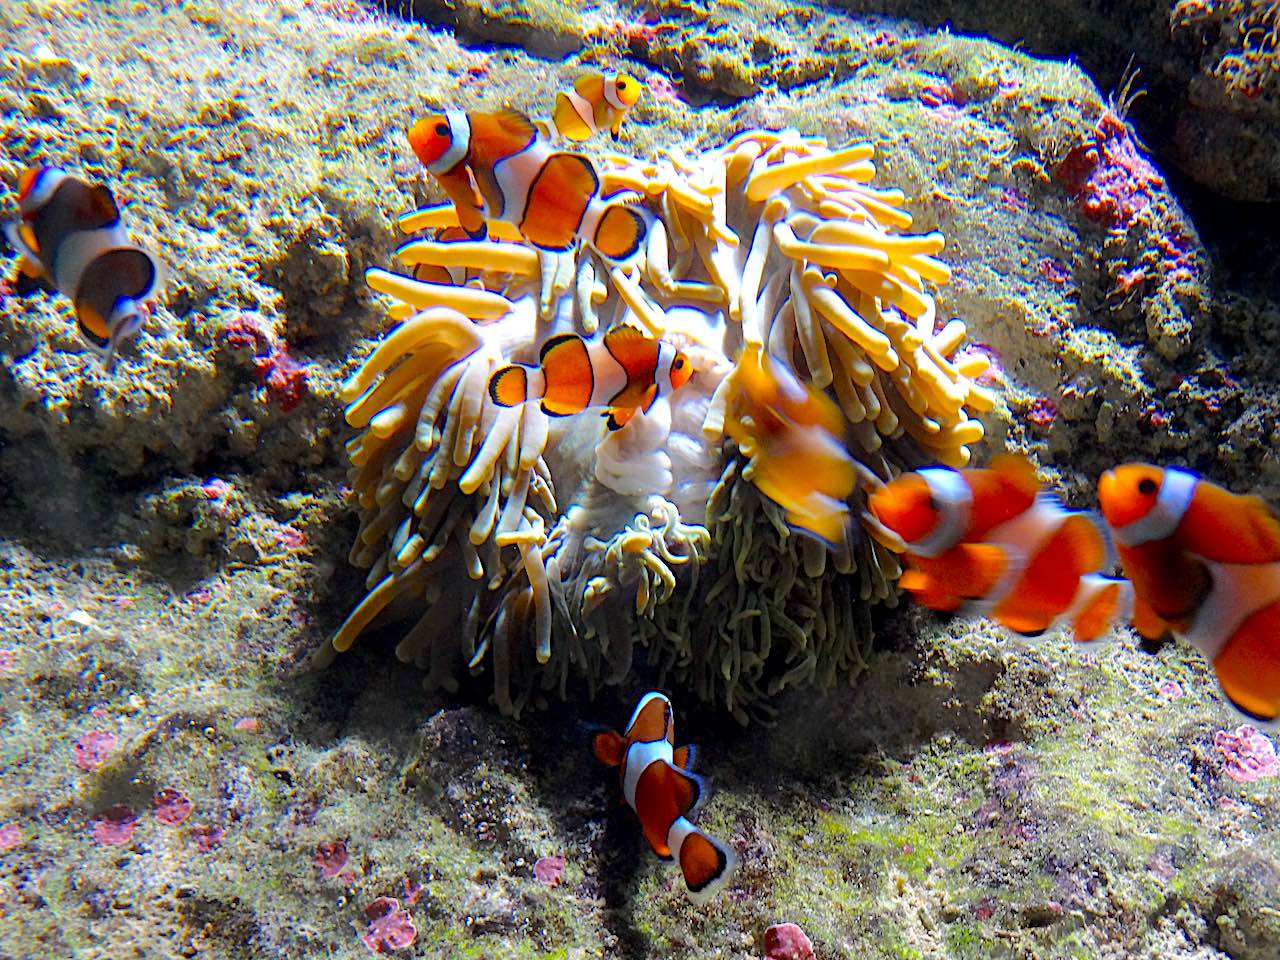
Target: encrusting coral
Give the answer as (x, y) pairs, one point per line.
(498, 527)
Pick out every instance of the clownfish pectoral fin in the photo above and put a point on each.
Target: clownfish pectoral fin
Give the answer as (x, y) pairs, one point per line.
(929, 591)
(619, 417)
(1146, 621)
(1248, 666)
(685, 757)
(509, 387)
(517, 124)
(100, 206)
(609, 747)
(1100, 601)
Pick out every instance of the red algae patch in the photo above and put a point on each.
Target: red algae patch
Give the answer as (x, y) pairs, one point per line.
(549, 871)
(207, 836)
(1247, 754)
(786, 941)
(331, 857)
(170, 807)
(114, 826)
(390, 927)
(93, 749)
(10, 836)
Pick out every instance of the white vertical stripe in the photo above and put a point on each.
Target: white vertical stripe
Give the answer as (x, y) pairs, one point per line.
(954, 500)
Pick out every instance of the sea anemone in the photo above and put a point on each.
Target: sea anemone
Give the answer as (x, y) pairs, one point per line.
(546, 548)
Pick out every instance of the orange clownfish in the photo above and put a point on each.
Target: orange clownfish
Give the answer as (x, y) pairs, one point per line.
(497, 166)
(790, 431)
(1205, 566)
(596, 102)
(658, 786)
(623, 371)
(990, 542)
(70, 239)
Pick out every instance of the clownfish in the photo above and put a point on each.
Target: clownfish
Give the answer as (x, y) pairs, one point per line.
(497, 166)
(1205, 566)
(596, 102)
(658, 786)
(623, 371)
(70, 239)
(789, 430)
(988, 541)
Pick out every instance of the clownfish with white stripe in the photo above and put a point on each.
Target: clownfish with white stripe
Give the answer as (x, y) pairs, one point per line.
(70, 239)
(598, 101)
(1205, 566)
(497, 166)
(658, 785)
(989, 542)
(623, 371)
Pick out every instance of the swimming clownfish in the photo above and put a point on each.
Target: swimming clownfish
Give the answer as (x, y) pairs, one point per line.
(71, 240)
(597, 101)
(497, 166)
(790, 432)
(623, 371)
(658, 786)
(1205, 566)
(988, 541)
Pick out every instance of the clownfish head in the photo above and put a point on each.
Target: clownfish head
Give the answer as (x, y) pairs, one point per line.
(929, 509)
(681, 370)
(441, 140)
(1128, 493)
(35, 188)
(622, 90)
(907, 507)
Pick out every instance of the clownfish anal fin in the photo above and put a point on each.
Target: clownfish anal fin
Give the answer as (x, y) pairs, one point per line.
(608, 747)
(619, 417)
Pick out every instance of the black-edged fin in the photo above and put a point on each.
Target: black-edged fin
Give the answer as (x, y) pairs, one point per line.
(99, 208)
(517, 124)
(707, 865)
(509, 387)
(688, 789)
(686, 757)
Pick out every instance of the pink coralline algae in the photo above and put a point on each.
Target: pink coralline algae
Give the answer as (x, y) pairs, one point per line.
(1247, 754)
(10, 836)
(207, 836)
(170, 807)
(114, 826)
(390, 927)
(93, 749)
(1042, 411)
(786, 941)
(331, 857)
(283, 377)
(8, 658)
(549, 871)
(1110, 181)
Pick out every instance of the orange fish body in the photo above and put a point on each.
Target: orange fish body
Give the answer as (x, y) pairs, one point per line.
(989, 541)
(790, 431)
(658, 786)
(597, 101)
(496, 166)
(1205, 566)
(623, 371)
(70, 239)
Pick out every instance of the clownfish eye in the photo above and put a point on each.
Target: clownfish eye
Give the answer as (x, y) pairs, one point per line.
(620, 84)
(1147, 486)
(679, 364)
(442, 129)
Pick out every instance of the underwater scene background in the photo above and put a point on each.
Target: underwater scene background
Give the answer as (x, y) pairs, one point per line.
(190, 767)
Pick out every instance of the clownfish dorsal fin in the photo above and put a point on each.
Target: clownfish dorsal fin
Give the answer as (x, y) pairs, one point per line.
(1018, 470)
(516, 123)
(623, 333)
(589, 85)
(687, 789)
(100, 205)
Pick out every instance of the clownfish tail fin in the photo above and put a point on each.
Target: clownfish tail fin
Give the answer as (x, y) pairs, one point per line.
(620, 232)
(509, 387)
(707, 864)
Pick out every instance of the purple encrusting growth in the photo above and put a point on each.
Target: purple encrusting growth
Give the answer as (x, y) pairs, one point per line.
(1110, 180)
